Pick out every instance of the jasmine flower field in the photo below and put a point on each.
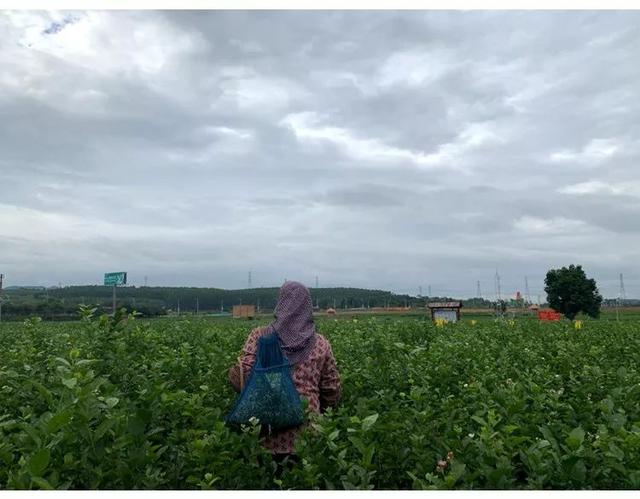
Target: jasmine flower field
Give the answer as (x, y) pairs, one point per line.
(130, 404)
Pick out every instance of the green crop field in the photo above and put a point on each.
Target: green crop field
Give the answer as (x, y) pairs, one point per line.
(104, 404)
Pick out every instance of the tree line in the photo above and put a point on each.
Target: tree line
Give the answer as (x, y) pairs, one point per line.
(61, 303)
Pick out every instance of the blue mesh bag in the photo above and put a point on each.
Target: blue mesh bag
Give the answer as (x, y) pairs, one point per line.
(269, 394)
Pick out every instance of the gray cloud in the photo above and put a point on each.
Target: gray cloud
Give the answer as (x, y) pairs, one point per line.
(378, 149)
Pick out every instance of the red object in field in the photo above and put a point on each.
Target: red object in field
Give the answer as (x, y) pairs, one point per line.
(549, 315)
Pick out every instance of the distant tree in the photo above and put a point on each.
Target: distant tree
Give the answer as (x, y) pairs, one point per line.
(570, 292)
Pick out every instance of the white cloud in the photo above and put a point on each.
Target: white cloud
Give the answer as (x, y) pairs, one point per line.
(596, 151)
(216, 141)
(250, 91)
(600, 187)
(417, 67)
(41, 227)
(548, 226)
(307, 127)
(104, 42)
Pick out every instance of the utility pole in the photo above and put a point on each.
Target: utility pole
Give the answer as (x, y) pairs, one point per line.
(178, 306)
(221, 306)
(622, 295)
(1, 297)
(197, 306)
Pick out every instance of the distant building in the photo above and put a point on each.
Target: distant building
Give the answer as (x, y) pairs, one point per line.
(449, 311)
(331, 311)
(246, 311)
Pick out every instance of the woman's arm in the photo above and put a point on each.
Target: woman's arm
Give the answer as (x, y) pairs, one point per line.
(329, 382)
(247, 359)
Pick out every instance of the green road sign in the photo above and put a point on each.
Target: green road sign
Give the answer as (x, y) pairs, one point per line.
(115, 278)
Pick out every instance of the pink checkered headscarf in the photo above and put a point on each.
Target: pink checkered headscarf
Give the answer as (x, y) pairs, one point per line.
(294, 321)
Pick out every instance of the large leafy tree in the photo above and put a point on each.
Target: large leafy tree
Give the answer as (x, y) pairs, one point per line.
(569, 292)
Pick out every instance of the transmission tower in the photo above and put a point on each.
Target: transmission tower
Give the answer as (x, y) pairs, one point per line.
(622, 293)
(316, 282)
(429, 290)
(420, 291)
(145, 281)
(498, 290)
(526, 290)
(250, 286)
(478, 293)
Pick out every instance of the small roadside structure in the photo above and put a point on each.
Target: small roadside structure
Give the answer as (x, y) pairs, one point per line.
(448, 311)
(331, 311)
(244, 311)
(549, 315)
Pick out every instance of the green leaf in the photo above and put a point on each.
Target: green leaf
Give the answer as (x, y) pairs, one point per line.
(136, 425)
(369, 421)
(479, 420)
(39, 462)
(62, 361)
(359, 444)
(70, 382)
(575, 438)
(615, 452)
(59, 420)
(103, 428)
(85, 362)
(112, 402)
(42, 483)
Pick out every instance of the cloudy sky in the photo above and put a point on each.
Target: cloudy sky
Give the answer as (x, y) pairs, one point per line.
(387, 150)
